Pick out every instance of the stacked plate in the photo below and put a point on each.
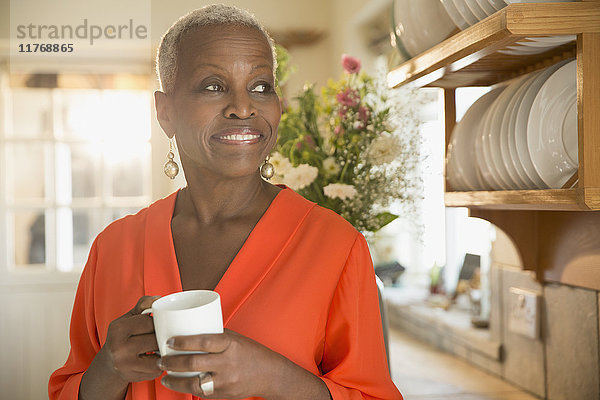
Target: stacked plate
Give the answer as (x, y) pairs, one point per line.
(418, 26)
(519, 136)
(465, 13)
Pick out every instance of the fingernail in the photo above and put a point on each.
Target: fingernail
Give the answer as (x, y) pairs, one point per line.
(170, 342)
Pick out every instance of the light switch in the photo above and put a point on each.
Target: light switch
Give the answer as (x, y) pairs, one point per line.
(523, 314)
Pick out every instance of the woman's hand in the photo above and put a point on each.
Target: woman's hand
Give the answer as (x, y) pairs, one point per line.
(240, 367)
(131, 344)
(128, 355)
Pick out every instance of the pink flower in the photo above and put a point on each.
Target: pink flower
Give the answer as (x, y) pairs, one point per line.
(348, 98)
(363, 114)
(299, 145)
(338, 130)
(310, 142)
(350, 64)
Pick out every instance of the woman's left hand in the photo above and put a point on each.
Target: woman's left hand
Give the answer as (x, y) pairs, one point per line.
(240, 368)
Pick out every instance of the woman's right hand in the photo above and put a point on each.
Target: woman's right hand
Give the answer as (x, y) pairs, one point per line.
(129, 355)
(131, 345)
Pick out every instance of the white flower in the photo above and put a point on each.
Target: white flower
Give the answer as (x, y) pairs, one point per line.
(301, 176)
(280, 163)
(330, 166)
(339, 190)
(375, 102)
(383, 150)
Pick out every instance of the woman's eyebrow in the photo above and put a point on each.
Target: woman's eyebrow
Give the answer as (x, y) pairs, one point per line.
(211, 65)
(268, 66)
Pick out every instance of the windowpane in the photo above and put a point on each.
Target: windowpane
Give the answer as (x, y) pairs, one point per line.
(85, 166)
(129, 115)
(30, 237)
(31, 113)
(75, 160)
(127, 165)
(82, 114)
(86, 225)
(25, 176)
(117, 213)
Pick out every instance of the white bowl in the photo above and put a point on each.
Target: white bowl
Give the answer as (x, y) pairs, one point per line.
(487, 7)
(422, 24)
(537, 1)
(498, 4)
(476, 9)
(454, 14)
(465, 11)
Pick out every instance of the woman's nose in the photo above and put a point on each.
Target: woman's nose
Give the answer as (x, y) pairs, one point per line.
(239, 106)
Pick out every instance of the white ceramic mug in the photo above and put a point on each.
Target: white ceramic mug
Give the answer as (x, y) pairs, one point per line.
(186, 313)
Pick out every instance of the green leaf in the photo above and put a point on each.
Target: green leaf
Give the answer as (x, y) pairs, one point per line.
(385, 218)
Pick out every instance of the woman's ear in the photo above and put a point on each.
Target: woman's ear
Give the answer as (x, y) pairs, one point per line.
(162, 102)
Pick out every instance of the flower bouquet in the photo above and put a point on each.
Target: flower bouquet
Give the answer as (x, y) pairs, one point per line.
(353, 149)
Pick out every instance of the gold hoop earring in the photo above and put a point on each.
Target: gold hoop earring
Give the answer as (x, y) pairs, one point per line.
(171, 168)
(266, 169)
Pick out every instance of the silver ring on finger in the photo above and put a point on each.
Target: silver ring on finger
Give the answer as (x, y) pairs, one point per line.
(207, 384)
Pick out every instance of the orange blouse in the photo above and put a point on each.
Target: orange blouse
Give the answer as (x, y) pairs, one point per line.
(302, 284)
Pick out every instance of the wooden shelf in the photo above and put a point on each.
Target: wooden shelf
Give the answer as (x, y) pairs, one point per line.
(555, 239)
(471, 58)
(552, 199)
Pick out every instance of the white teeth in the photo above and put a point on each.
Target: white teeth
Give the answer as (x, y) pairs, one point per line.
(240, 137)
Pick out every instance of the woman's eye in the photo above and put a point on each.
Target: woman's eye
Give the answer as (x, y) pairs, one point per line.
(214, 88)
(262, 88)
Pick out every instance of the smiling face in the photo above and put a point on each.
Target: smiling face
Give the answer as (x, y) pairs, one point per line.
(224, 110)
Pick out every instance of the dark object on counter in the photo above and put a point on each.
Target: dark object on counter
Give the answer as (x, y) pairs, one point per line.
(470, 264)
(389, 272)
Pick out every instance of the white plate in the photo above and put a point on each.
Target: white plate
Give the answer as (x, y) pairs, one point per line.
(508, 139)
(484, 152)
(537, 1)
(465, 12)
(463, 140)
(523, 119)
(487, 7)
(454, 14)
(497, 4)
(552, 127)
(476, 9)
(556, 39)
(500, 159)
(410, 19)
(523, 50)
(455, 178)
(451, 172)
(535, 42)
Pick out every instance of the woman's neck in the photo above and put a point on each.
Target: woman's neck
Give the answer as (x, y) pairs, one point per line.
(212, 200)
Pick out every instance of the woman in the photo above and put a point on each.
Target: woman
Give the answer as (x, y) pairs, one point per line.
(296, 280)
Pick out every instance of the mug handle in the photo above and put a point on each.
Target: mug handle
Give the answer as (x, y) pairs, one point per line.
(147, 311)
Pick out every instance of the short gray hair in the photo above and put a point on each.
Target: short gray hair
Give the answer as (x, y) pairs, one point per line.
(215, 14)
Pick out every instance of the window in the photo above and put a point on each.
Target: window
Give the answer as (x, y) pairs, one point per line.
(73, 160)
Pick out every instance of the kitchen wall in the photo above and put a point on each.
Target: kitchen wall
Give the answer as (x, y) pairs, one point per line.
(561, 363)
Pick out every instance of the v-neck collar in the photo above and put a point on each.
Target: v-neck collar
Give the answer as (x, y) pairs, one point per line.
(259, 253)
(251, 264)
